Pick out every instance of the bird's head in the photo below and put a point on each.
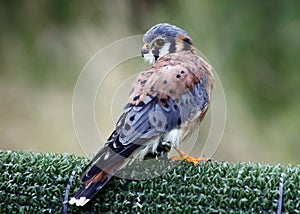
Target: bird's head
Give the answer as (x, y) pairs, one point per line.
(163, 39)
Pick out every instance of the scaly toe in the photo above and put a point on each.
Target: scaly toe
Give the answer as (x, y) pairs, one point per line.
(194, 160)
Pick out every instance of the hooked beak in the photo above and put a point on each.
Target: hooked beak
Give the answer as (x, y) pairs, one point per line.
(145, 50)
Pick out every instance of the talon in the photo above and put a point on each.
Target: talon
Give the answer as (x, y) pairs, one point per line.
(183, 156)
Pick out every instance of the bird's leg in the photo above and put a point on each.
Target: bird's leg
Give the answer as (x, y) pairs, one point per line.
(184, 156)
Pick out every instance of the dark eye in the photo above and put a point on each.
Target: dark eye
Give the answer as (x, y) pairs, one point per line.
(159, 42)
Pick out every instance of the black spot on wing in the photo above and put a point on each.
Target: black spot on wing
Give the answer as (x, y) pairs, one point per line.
(132, 118)
(143, 82)
(163, 100)
(143, 104)
(179, 121)
(140, 104)
(136, 98)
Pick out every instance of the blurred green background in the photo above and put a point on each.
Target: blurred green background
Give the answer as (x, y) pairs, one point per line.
(253, 45)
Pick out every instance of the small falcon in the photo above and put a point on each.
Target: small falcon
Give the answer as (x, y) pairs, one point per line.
(166, 103)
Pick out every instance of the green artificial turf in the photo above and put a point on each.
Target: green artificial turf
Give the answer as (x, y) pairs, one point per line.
(36, 182)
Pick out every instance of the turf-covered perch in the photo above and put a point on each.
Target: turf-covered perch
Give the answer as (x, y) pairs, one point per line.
(36, 182)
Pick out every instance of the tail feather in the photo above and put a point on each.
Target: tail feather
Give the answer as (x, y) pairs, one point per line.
(90, 189)
(94, 180)
(99, 172)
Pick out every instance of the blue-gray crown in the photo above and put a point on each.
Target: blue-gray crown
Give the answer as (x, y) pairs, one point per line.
(163, 30)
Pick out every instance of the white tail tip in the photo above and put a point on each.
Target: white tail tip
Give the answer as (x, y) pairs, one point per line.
(79, 202)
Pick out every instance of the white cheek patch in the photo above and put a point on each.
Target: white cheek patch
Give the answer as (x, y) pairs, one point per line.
(149, 57)
(164, 50)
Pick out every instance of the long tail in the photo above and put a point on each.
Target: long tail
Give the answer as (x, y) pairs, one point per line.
(100, 170)
(89, 190)
(86, 193)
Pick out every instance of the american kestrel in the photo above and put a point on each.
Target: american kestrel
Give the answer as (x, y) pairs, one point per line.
(166, 103)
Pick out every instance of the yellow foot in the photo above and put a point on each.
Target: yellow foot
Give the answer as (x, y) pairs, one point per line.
(184, 156)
